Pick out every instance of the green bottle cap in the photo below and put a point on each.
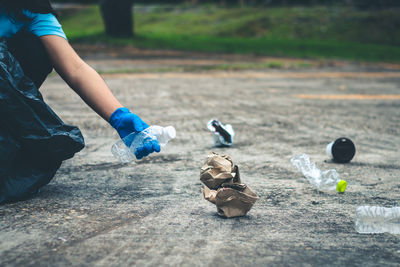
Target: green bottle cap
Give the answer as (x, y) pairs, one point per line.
(341, 186)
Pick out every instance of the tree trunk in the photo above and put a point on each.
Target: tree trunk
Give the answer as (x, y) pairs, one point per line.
(117, 17)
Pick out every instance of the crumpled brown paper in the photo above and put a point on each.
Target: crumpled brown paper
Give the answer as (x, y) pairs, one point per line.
(224, 188)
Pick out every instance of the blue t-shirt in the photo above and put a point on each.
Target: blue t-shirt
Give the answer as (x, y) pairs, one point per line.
(40, 24)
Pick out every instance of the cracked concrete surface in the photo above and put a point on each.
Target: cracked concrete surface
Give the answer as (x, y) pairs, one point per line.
(99, 212)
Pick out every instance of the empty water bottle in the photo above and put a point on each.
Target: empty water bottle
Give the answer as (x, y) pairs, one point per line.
(373, 219)
(125, 149)
(323, 180)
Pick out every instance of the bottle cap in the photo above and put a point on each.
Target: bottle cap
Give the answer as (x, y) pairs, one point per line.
(171, 132)
(342, 150)
(341, 186)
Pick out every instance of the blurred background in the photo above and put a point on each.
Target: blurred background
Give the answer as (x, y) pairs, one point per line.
(359, 30)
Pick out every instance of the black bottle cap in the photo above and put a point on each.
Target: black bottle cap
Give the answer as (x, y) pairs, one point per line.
(343, 150)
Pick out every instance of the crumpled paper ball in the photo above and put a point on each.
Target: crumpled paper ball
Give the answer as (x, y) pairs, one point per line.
(223, 187)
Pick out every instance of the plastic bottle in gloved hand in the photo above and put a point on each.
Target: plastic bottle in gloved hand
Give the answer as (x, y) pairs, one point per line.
(127, 123)
(132, 145)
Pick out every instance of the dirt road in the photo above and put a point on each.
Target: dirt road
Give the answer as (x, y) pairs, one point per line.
(99, 212)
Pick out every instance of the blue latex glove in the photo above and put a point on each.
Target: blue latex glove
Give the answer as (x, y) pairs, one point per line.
(126, 123)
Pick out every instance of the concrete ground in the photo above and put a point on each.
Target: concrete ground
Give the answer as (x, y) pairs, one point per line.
(98, 212)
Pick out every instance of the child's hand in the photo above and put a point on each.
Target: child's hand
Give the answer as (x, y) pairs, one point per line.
(126, 123)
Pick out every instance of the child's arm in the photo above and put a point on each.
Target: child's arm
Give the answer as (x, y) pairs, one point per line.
(82, 78)
(88, 84)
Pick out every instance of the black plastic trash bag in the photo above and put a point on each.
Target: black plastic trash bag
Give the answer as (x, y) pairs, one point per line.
(33, 139)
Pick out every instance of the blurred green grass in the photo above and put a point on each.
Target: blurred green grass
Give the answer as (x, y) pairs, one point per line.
(309, 32)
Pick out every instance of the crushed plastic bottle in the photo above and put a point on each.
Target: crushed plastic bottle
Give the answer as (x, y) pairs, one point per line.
(322, 180)
(374, 219)
(223, 134)
(126, 154)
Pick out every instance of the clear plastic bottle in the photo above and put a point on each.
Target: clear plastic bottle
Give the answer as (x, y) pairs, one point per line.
(374, 219)
(323, 180)
(126, 154)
